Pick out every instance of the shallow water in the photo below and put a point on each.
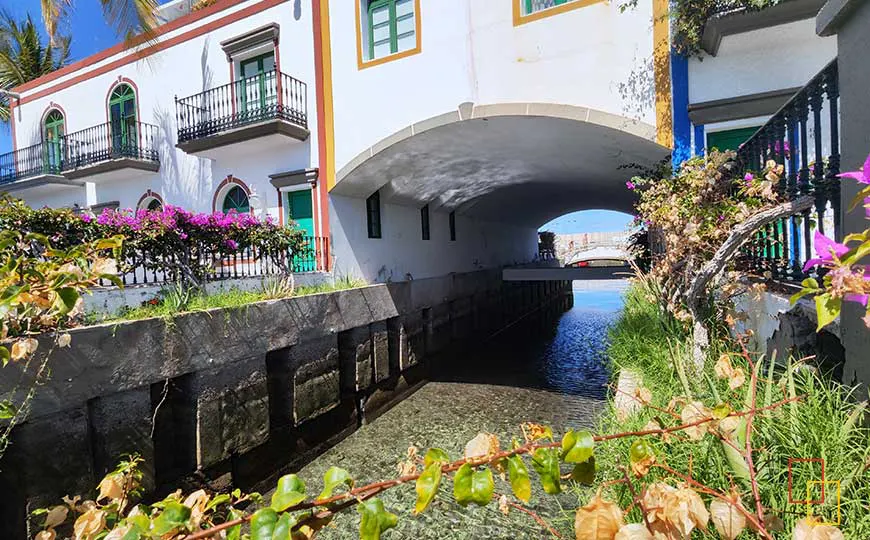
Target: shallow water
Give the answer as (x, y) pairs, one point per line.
(548, 370)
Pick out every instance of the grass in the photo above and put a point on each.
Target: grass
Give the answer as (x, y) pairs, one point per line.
(174, 301)
(826, 423)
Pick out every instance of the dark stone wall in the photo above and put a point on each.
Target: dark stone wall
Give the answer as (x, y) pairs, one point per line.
(237, 397)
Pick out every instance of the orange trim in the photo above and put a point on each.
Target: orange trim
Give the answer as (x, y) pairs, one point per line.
(254, 8)
(418, 25)
(138, 40)
(325, 125)
(520, 19)
(148, 195)
(278, 84)
(224, 183)
(280, 208)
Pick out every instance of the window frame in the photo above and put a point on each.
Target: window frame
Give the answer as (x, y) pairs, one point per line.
(373, 215)
(451, 220)
(425, 229)
(226, 196)
(366, 43)
(124, 136)
(522, 17)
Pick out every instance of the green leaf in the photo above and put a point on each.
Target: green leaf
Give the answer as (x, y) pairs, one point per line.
(290, 492)
(545, 461)
(472, 486)
(640, 450)
(5, 356)
(234, 532)
(374, 519)
(108, 243)
(435, 455)
(219, 499)
(577, 446)
(66, 300)
(173, 517)
(521, 484)
(284, 527)
(584, 473)
(333, 478)
(827, 309)
(721, 410)
(427, 487)
(793, 299)
(810, 283)
(263, 524)
(736, 461)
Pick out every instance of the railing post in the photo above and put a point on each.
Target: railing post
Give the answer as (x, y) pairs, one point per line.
(832, 89)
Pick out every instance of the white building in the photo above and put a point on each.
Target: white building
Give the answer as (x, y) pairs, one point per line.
(419, 137)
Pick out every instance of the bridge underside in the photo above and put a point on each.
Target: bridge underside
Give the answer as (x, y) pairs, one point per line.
(512, 163)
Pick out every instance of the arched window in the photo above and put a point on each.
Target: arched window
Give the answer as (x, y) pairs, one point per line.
(122, 117)
(54, 130)
(236, 199)
(154, 204)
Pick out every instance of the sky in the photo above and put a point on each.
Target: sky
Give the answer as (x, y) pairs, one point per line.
(589, 221)
(91, 34)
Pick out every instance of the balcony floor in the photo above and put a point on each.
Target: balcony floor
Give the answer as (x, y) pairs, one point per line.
(284, 128)
(39, 180)
(112, 165)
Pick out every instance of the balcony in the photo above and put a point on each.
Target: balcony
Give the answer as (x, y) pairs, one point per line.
(270, 105)
(33, 166)
(104, 149)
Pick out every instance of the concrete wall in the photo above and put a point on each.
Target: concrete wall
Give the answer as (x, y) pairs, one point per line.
(183, 69)
(401, 253)
(853, 43)
(235, 397)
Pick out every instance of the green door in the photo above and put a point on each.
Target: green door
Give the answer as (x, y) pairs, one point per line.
(299, 209)
(730, 139)
(122, 117)
(257, 86)
(54, 128)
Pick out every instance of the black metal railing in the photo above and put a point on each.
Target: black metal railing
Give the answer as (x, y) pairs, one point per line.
(154, 268)
(268, 96)
(105, 142)
(36, 160)
(803, 137)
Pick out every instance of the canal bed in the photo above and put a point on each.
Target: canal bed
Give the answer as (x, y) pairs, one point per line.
(549, 369)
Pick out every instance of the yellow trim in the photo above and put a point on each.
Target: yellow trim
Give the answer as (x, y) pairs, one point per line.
(519, 18)
(662, 74)
(328, 111)
(363, 64)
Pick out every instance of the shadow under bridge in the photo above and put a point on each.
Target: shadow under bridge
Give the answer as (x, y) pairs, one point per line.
(519, 163)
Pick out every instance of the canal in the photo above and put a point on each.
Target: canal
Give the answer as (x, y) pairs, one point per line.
(548, 369)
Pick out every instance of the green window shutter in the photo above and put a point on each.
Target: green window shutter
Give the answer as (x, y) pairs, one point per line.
(391, 27)
(373, 215)
(730, 139)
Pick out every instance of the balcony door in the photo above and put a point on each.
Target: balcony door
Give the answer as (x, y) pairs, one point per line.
(122, 120)
(54, 130)
(257, 85)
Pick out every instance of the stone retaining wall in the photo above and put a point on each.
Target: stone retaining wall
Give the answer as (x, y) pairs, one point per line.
(236, 397)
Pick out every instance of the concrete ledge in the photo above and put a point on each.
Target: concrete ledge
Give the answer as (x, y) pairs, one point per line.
(740, 21)
(113, 165)
(40, 180)
(245, 133)
(833, 14)
(747, 106)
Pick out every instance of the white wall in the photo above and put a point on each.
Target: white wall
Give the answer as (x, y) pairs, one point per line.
(472, 52)
(775, 58)
(182, 70)
(402, 251)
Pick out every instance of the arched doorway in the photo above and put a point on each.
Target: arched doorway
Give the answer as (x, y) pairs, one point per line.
(53, 135)
(123, 121)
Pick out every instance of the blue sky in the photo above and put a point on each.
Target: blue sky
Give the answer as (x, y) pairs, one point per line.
(589, 221)
(91, 34)
(86, 24)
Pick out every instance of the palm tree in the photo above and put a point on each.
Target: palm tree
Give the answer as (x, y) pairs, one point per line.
(127, 17)
(23, 56)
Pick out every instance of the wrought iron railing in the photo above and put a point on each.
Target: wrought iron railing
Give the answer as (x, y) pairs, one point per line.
(154, 268)
(36, 160)
(105, 142)
(803, 137)
(268, 96)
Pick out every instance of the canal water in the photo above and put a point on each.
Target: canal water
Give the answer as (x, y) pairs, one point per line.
(548, 369)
